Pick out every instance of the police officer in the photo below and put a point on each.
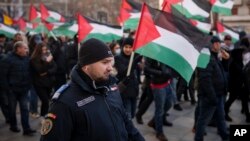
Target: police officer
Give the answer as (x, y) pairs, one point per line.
(89, 107)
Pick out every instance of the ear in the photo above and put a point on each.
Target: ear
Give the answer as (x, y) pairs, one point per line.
(85, 68)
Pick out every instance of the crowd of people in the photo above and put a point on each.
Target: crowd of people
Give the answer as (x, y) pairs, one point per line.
(55, 72)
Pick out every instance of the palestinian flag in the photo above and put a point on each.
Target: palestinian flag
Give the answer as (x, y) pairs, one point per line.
(224, 30)
(34, 15)
(202, 26)
(84, 28)
(223, 7)
(171, 40)
(104, 32)
(193, 9)
(23, 25)
(7, 31)
(50, 16)
(129, 14)
(67, 29)
(167, 5)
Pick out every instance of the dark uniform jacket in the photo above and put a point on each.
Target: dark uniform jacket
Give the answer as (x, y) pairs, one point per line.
(86, 112)
(17, 73)
(158, 72)
(212, 80)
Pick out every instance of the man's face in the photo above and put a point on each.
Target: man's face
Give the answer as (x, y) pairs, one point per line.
(23, 50)
(127, 49)
(216, 46)
(100, 70)
(228, 42)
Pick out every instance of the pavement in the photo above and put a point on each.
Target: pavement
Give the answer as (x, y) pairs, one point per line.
(180, 131)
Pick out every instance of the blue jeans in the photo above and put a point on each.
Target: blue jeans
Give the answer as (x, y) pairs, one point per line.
(130, 106)
(173, 85)
(33, 99)
(206, 112)
(163, 102)
(22, 98)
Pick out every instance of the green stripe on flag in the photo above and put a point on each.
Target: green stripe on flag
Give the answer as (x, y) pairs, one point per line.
(222, 10)
(131, 23)
(103, 37)
(166, 56)
(204, 58)
(187, 14)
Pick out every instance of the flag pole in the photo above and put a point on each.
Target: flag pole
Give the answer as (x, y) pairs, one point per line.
(53, 35)
(133, 53)
(130, 63)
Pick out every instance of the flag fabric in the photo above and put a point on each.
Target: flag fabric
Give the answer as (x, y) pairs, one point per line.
(224, 30)
(167, 5)
(23, 25)
(84, 28)
(7, 31)
(202, 26)
(223, 7)
(34, 16)
(129, 14)
(5, 19)
(50, 16)
(67, 29)
(171, 40)
(104, 32)
(192, 9)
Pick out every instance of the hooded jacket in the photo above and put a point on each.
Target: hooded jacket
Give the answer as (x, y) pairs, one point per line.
(86, 111)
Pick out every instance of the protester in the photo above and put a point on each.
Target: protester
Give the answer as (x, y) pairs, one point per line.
(18, 84)
(211, 93)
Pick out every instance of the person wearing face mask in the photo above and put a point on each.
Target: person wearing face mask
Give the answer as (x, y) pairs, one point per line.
(115, 48)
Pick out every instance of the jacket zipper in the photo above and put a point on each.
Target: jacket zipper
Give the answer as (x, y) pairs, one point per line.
(116, 130)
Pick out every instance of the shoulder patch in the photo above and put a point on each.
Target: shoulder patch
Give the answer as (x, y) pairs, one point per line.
(85, 101)
(60, 91)
(46, 126)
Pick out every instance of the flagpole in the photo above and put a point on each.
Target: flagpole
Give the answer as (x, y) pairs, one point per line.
(130, 63)
(133, 53)
(53, 35)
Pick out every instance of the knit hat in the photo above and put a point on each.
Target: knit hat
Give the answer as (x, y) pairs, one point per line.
(215, 39)
(128, 41)
(227, 37)
(92, 51)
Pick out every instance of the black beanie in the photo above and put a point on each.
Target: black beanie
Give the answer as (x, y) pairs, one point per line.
(93, 50)
(128, 41)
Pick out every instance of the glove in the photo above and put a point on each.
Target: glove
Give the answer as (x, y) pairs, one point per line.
(126, 80)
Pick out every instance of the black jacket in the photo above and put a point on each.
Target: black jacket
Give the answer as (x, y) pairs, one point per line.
(132, 84)
(17, 73)
(236, 75)
(39, 67)
(158, 72)
(212, 80)
(85, 112)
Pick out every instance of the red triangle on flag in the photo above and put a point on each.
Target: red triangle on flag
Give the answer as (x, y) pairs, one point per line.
(21, 23)
(146, 31)
(193, 22)
(125, 5)
(33, 13)
(124, 15)
(167, 5)
(84, 28)
(49, 26)
(44, 12)
(220, 27)
(212, 1)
